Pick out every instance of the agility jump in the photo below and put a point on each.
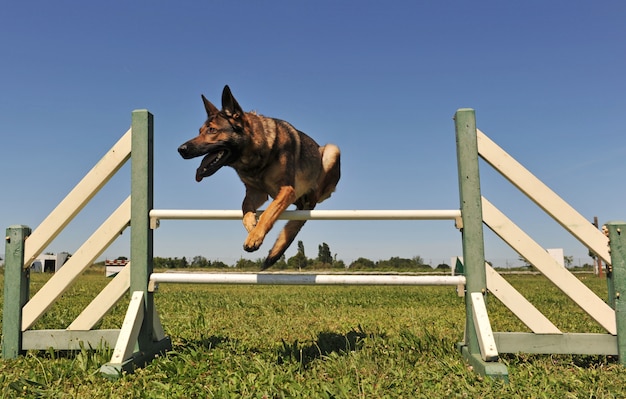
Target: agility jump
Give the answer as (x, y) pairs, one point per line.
(141, 336)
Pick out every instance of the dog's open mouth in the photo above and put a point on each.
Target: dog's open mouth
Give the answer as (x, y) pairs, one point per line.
(215, 159)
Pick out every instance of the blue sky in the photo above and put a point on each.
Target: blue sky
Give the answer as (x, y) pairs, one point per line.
(381, 80)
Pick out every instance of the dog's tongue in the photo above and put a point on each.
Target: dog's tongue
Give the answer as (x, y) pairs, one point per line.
(203, 170)
(199, 175)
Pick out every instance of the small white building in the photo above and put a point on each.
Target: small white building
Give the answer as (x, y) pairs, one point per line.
(49, 263)
(557, 255)
(112, 267)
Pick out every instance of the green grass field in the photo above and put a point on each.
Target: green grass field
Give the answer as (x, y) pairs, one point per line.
(315, 342)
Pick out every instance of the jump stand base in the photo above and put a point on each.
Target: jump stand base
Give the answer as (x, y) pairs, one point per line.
(495, 369)
(114, 371)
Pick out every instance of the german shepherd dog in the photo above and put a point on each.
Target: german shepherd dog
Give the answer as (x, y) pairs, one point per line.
(272, 158)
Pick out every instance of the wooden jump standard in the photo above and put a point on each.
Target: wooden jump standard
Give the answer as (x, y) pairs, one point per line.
(141, 336)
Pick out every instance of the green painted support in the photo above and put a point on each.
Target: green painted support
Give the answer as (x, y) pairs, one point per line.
(471, 212)
(610, 287)
(472, 236)
(16, 287)
(617, 244)
(141, 237)
(141, 245)
(610, 279)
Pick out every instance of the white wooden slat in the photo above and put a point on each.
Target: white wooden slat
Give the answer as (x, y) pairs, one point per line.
(486, 341)
(104, 301)
(125, 346)
(518, 304)
(543, 196)
(76, 200)
(82, 258)
(539, 257)
(43, 340)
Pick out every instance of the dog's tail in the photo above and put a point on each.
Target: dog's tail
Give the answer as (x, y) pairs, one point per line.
(331, 166)
(284, 240)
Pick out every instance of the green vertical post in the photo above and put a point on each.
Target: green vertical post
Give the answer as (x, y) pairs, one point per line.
(148, 343)
(471, 212)
(610, 281)
(617, 244)
(610, 285)
(472, 235)
(141, 244)
(16, 287)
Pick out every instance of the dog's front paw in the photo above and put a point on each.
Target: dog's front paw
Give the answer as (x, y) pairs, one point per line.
(249, 221)
(253, 241)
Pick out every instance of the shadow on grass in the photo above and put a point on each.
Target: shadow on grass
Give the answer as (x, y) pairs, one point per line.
(326, 344)
(210, 342)
(304, 353)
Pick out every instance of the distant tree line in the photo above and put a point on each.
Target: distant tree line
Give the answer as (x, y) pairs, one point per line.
(396, 263)
(182, 263)
(324, 260)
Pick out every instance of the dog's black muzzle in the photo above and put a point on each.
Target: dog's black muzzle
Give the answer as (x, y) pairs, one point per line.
(185, 151)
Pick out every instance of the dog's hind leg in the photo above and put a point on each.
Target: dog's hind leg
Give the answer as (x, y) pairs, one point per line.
(327, 182)
(284, 240)
(288, 233)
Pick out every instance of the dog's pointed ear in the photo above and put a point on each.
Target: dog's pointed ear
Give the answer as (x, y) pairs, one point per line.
(229, 104)
(210, 108)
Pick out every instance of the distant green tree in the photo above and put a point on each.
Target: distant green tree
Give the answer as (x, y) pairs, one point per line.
(323, 254)
(175, 263)
(362, 263)
(299, 260)
(338, 264)
(281, 264)
(218, 264)
(243, 263)
(419, 261)
(158, 263)
(200, 261)
(525, 262)
(568, 260)
(396, 262)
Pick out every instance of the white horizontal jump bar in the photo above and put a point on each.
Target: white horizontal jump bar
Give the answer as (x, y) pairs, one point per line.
(188, 214)
(303, 279)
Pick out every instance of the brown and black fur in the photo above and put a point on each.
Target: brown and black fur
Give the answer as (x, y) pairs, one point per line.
(272, 158)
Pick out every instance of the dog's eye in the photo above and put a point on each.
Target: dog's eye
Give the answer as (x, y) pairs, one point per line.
(212, 129)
